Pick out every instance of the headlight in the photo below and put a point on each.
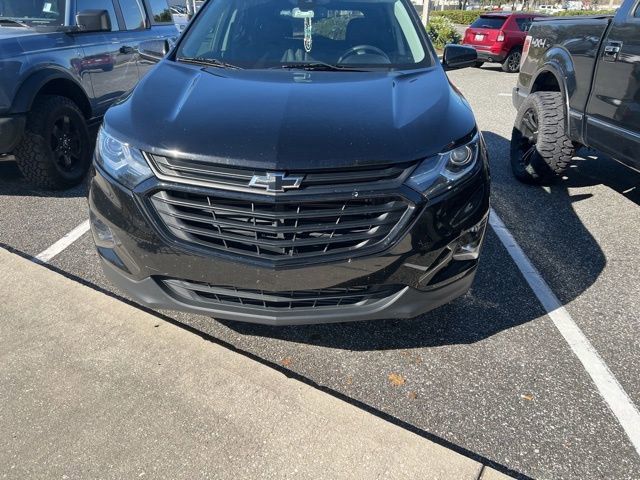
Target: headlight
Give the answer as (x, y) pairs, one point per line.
(436, 175)
(118, 159)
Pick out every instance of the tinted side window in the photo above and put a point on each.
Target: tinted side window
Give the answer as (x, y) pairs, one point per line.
(637, 13)
(99, 5)
(132, 13)
(160, 11)
(524, 24)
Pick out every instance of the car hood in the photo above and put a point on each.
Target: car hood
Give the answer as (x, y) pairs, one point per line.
(285, 119)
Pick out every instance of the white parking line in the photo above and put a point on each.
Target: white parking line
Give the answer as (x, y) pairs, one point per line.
(504, 95)
(610, 390)
(63, 243)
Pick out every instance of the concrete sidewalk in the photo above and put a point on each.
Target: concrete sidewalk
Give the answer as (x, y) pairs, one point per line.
(92, 387)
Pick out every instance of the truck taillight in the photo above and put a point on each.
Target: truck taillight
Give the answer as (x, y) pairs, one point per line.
(500, 37)
(525, 49)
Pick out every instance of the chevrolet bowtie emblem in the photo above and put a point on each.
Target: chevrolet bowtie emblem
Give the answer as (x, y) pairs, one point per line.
(276, 182)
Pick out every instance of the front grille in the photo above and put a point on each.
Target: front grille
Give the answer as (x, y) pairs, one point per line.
(205, 173)
(281, 230)
(290, 300)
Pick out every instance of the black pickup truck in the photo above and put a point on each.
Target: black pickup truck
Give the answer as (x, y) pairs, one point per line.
(62, 64)
(579, 84)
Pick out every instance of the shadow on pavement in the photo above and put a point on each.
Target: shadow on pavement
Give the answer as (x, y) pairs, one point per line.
(591, 168)
(496, 68)
(544, 220)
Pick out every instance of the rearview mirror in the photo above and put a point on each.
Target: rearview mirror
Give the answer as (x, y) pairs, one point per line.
(93, 21)
(154, 50)
(458, 56)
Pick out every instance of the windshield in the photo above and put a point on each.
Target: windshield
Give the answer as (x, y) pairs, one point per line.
(32, 12)
(339, 34)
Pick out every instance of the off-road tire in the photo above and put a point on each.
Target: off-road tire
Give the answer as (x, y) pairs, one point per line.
(35, 155)
(538, 157)
(511, 64)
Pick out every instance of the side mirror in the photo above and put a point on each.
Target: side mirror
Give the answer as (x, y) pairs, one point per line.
(93, 21)
(458, 56)
(154, 50)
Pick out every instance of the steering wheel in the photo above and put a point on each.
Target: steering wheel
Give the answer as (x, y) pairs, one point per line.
(363, 50)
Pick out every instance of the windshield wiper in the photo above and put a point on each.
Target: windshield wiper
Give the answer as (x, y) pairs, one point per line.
(210, 62)
(9, 21)
(321, 66)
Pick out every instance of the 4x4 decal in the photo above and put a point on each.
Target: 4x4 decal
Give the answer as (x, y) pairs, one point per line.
(539, 42)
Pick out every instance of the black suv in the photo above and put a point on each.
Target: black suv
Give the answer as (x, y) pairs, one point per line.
(294, 162)
(62, 64)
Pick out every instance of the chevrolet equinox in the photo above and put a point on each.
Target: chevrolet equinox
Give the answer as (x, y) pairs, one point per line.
(293, 162)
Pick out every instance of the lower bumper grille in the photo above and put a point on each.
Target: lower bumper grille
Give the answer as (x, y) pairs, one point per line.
(282, 230)
(281, 301)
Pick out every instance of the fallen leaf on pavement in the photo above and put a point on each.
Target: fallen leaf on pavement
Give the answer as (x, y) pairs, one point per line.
(287, 361)
(396, 379)
(528, 396)
(412, 395)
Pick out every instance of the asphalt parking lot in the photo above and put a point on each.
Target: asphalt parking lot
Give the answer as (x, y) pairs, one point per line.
(489, 374)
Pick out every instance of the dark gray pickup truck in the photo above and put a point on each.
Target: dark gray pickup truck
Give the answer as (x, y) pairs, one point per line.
(579, 84)
(62, 64)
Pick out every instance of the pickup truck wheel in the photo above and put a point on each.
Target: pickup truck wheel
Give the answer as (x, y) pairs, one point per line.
(55, 151)
(511, 64)
(540, 147)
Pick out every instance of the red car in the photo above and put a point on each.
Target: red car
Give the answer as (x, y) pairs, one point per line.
(499, 37)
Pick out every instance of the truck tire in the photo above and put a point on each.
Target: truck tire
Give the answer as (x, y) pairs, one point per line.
(478, 64)
(55, 151)
(540, 147)
(511, 64)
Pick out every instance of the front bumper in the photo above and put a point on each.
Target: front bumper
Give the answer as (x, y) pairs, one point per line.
(406, 303)
(419, 266)
(11, 130)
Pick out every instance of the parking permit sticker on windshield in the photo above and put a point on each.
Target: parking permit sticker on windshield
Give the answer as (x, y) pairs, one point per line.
(47, 7)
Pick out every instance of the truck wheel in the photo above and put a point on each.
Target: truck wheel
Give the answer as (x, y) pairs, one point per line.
(511, 64)
(55, 151)
(540, 147)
